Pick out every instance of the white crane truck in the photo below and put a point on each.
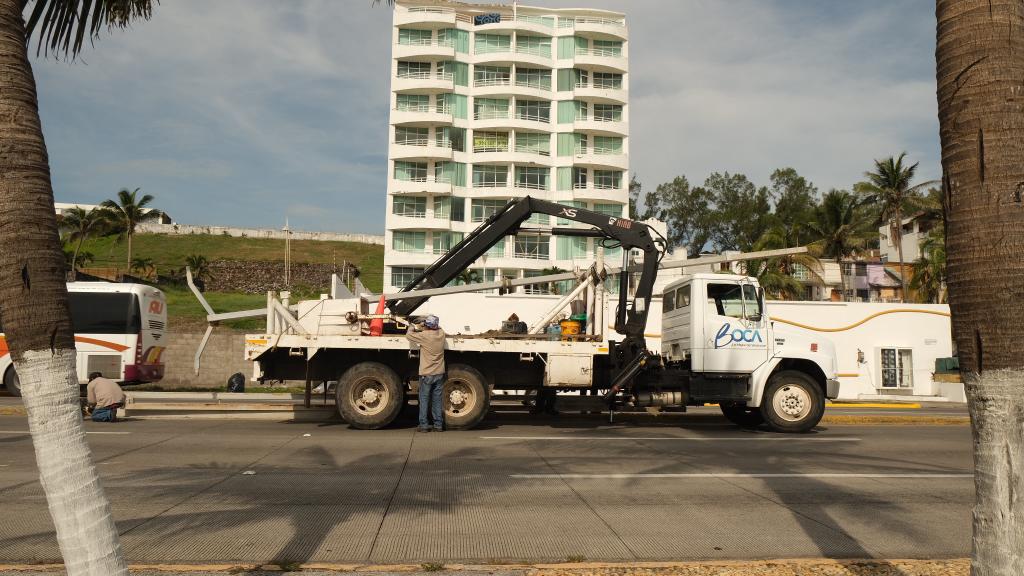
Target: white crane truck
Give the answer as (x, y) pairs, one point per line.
(718, 344)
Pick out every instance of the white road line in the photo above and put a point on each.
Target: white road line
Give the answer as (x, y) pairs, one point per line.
(87, 432)
(680, 438)
(742, 475)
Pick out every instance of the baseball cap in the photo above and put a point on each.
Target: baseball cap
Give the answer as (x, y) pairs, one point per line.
(431, 322)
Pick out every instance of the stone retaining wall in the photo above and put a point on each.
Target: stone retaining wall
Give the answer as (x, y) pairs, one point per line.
(255, 277)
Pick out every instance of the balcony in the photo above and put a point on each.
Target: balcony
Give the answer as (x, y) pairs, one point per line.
(421, 115)
(442, 17)
(427, 185)
(615, 27)
(602, 59)
(602, 93)
(418, 150)
(602, 126)
(537, 57)
(423, 81)
(493, 55)
(432, 49)
(532, 89)
(400, 222)
(602, 159)
(597, 194)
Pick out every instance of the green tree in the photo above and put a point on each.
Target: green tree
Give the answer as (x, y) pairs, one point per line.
(686, 211)
(143, 266)
(127, 212)
(794, 199)
(200, 267)
(777, 275)
(929, 276)
(839, 228)
(891, 190)
(80, 224)
(978, 78)
(742, 211)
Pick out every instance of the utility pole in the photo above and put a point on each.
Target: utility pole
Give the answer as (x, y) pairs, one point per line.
(287, 254)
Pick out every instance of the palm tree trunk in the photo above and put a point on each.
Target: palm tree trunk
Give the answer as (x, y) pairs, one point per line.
(37, 322)
(979, 74)
(842, 281)
(129, 249)
(897, 232)
(74, 259)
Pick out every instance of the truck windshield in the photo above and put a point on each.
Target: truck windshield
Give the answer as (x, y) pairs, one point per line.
(735, 300)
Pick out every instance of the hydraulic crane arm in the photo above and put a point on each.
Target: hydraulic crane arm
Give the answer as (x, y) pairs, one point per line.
(631, 317)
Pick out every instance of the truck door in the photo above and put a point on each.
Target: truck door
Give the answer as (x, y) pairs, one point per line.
(735, 334)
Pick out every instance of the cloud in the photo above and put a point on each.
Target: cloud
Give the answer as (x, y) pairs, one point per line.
(240, 112)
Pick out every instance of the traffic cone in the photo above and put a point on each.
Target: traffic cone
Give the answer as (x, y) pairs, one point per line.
(377, 324)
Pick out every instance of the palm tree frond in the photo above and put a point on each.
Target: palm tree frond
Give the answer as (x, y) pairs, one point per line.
(63, 25)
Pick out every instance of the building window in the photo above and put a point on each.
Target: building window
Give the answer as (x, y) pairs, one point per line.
(411, 37)
(533, 143)
(444, 241)
(847, 268)
(412, 102)
(536, 288)
(409, 206)
(402, 276)
(411, 136)
(490, 141)
(609, 209)
(607, 145)
(607, 48)
(534, 247)
(897, 368)
(538, 78)
(415, 70)
(532, 177)
(406, 241)
(607, 80)
(607, 179)
(410, 171)
(490, 176)
(489, 108)
(483, 208)
(570, 248)
(862, 269)
(579, 178)
(448, 137)
(450, 208)
(453, 173)
(498, 250)
(492, 76)
(487, 43)
(536, 110)
(536, 45)
(863, 295)
(608, 112)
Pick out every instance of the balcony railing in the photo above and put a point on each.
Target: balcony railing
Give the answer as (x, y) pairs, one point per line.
(605, 52)
(439, 10)
(490, 148)
(488, 49)
(446, 76)
(534, 83)
(491, 115)
(607, 117)
(413, 107)
(531, 185)
(541, 20)
(606, 84)
(481, 82)
(413, 178)
(532, 150)
(413, 141)
(490, 184)
(542, 51)
(418, 75)
(571, 22)
(605, 151)
(546, 118)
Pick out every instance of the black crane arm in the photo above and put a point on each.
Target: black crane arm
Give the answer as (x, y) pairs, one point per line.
(630, 318)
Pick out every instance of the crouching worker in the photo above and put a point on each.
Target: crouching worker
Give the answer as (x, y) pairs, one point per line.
(431, 342)
(104, 397)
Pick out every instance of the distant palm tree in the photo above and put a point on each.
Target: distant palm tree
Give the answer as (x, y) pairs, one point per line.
(840, 228)
(929, 277)
(200, 267)
(80, 223)
(143, 266)
(127, 212)
(890, 189)
(777, 274)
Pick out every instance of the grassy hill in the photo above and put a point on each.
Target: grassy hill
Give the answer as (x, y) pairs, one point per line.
(169, 252)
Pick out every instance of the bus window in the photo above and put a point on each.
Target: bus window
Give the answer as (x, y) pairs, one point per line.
(105, 313)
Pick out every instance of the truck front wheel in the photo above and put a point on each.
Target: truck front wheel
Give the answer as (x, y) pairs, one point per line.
(466, 398)
(793, 402)
(369, 395)
(12, 382)
(742, 415)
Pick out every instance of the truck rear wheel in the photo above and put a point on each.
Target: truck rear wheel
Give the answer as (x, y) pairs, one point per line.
(793, 402)
(742, 415)
(12, 382)
(369, 395)
(466, 397)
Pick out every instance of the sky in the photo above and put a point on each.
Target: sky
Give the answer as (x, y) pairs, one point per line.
(248, 112)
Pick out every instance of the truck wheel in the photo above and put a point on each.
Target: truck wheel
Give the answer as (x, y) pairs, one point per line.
(743, 416)
(466, 397)
(369, 395)
(793, 402)
(12, 382)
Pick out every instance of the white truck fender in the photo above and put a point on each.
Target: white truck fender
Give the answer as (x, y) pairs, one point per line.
(759, 379)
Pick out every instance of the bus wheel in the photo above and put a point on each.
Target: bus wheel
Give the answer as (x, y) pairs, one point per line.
(466, 398)
(793, 402)
(369, 395)
(12, 382)
(743, 416)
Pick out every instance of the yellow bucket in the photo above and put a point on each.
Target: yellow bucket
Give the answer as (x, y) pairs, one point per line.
(570, 327)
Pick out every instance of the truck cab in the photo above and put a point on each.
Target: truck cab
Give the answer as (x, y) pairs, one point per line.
(715, 329)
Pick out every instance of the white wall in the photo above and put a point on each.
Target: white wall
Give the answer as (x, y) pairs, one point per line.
(186, 229)
(853, 326)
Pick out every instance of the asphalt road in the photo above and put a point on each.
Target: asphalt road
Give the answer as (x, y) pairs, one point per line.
(518, 489)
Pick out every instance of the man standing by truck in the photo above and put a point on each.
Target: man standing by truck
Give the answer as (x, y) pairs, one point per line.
(430, 339)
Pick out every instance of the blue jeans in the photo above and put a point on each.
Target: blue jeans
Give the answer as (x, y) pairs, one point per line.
(431, 388)
(105, 414)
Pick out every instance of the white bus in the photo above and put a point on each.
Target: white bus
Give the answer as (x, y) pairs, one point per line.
(120, 331)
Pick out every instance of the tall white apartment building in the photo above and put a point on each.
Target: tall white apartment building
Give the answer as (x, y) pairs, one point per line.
(492, 102)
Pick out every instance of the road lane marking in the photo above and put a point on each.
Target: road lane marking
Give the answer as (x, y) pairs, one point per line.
(679, 438)
(743, 475)
(87, 432)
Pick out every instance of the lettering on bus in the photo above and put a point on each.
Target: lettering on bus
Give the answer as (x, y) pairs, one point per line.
(156, 307)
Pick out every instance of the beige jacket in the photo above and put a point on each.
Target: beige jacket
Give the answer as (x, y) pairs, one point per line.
(103, 392)
(431, 344)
